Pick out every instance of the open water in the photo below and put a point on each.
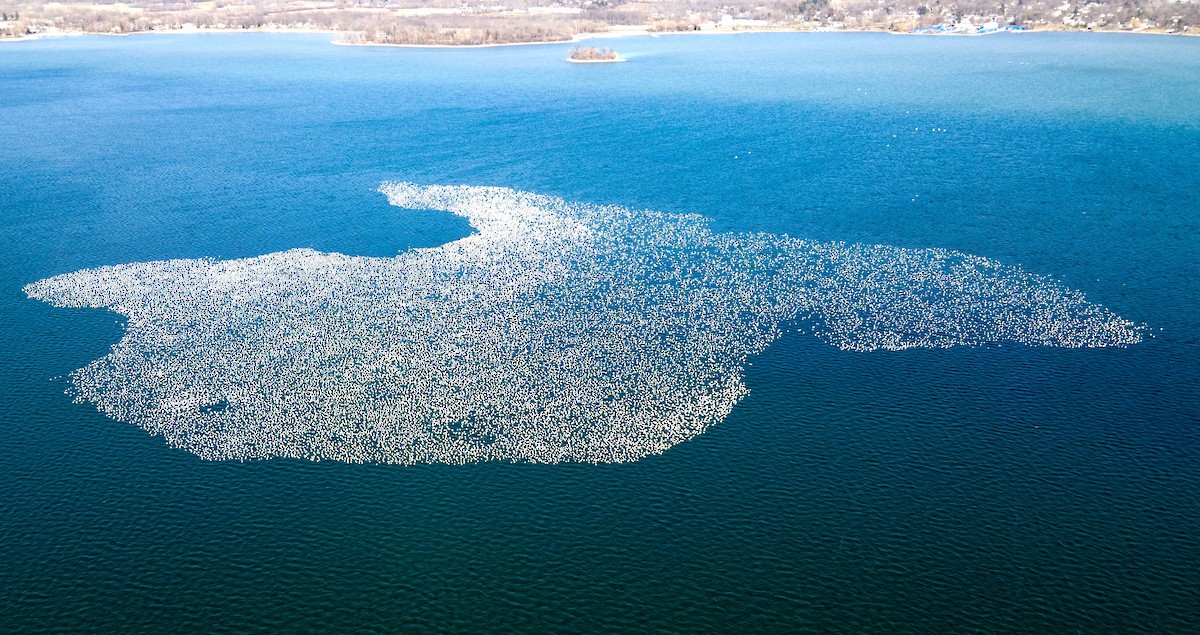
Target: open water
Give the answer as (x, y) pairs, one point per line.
(971, 488)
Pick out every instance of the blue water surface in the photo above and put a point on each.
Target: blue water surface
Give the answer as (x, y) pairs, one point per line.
(1006, 488)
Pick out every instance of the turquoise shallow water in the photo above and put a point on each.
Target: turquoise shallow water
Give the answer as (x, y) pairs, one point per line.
(1002, 488)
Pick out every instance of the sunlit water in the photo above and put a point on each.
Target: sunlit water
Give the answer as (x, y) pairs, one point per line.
(994, 487)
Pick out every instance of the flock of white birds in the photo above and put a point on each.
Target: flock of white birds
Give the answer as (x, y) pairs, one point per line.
(558, 332)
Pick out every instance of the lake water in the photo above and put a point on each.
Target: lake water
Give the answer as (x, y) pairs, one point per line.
(993, 488)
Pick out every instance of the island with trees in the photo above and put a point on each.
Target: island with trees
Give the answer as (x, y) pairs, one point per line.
(593, 55)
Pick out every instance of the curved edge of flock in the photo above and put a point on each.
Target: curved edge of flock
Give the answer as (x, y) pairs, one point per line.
(558, 332)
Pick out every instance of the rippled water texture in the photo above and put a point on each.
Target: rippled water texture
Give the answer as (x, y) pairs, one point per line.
(933, 303)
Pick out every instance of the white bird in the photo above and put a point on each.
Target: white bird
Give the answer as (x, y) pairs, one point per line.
(557, 332)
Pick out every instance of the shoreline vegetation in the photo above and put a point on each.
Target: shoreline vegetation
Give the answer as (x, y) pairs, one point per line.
(454, 23)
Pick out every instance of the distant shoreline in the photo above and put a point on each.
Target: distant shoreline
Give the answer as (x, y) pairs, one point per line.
(618, 32)
(574, 39)
(58, 34)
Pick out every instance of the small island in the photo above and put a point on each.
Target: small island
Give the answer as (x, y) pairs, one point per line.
(593, 55)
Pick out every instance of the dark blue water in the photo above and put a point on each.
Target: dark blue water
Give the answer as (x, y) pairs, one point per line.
(1009, 488)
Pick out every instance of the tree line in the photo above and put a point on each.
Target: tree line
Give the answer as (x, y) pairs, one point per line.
(510, 21)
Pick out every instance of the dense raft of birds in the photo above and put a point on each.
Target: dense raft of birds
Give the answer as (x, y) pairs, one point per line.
(558, 332)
